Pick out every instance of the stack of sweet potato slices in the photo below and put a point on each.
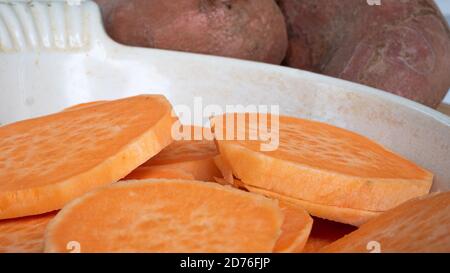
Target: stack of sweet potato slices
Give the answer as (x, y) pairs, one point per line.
(48, 161)
(263, 201)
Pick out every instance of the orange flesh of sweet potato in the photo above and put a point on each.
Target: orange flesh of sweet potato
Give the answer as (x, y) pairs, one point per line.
(296, 225)
(158, 172)
(47, 161)
(323, 164)
(349, 216)
(418, 225)
(201, 169)
(295, 229)
(225, 169)
(167, 216)
(191, 146)
(25, 234)
(189, 159)
(194, 155)
(325, 232)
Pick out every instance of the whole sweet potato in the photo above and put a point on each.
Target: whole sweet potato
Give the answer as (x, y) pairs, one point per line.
(399, 46)
(246, 29)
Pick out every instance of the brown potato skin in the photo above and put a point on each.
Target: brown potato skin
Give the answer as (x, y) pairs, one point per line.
(245, 29)
(400, 46)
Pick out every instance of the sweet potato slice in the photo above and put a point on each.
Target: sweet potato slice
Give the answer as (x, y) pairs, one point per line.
(158, 172)
(295, 230)
(418, 225)
(192, 153)
(201, 169)
(296, 225)
(349, 216)
(166, 216)
(46, 162)
(318, 163)
(194, 143)
(227, 174)
(25, 234)
(325, 232)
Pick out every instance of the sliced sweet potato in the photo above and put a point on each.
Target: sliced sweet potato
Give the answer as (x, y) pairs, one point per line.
(47, 161)
(201, 169)
(296, 225)
(193, 143)
(419, 225)
(320, 163)
(295, 230)
(158, 172)
(166, 216)
(25, 234)
(349, 216)
(325, 232)
(193, 154)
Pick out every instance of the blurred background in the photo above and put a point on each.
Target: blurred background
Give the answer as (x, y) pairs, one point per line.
(445, 7)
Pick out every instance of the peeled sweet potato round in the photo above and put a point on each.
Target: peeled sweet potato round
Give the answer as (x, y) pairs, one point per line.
(245, 29)
(399, 46)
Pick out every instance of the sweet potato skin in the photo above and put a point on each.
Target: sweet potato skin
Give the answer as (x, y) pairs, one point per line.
(400, 46)
(245, 29)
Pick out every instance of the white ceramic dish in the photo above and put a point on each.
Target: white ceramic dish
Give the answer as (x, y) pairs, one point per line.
(53, 55)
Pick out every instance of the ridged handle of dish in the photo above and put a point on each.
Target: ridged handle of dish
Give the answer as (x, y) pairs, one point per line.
(36, 25)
